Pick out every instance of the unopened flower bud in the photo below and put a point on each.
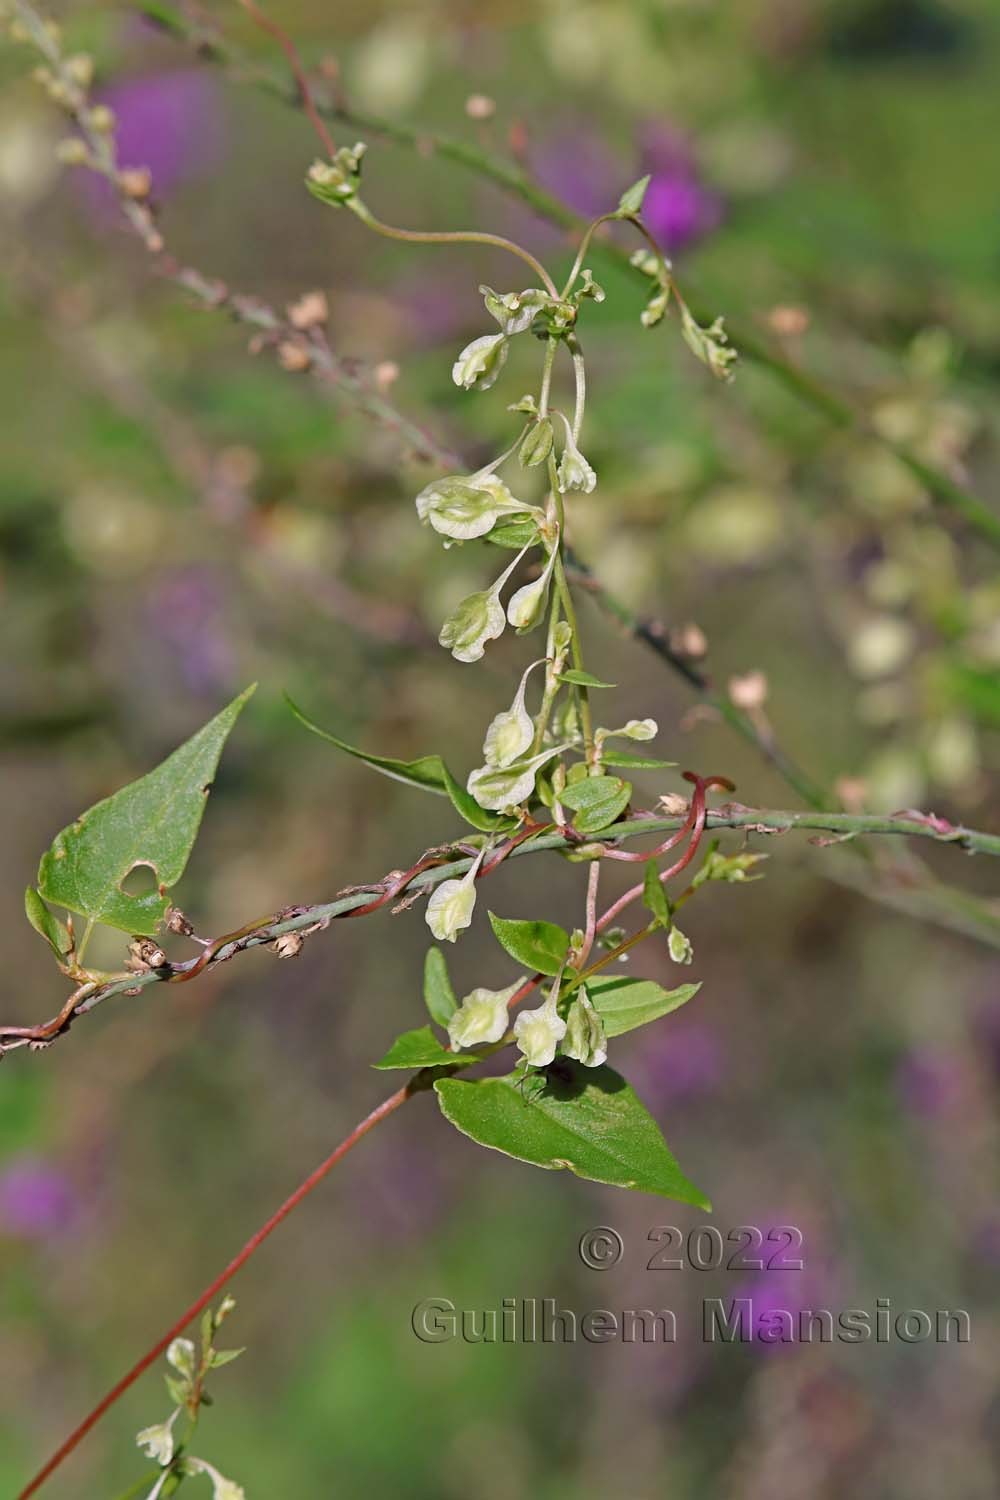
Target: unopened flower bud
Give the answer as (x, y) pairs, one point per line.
(537, 444)
(101, 119)
(136, 182)
(679, 947)
(72, 152)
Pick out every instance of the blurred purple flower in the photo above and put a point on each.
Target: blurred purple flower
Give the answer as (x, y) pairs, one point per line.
(36, 1199)
(185, 612)
(684, 1059)
(786, 1288)
(679, 208)
(574, 164)
(929, 1082)
(169, 122)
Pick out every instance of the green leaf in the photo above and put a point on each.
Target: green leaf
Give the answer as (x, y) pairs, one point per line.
(428, 771)
(513, 534)
(439, 997)
(623, 1004)
(630, 202)
(654, 897)
(468, 808)
(587, 1119)
(154, 821)
(584, 679)
(222, 1357)
(421, 1049)
(540, 946)
(626, 760)
(597, 801)
(48, 926)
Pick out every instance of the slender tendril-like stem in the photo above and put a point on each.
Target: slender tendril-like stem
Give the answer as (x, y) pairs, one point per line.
(453, 237)
(381, 1112)
(298, 71)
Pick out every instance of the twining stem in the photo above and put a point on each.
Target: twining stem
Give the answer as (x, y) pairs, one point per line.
(453, 237)
(430, 872)
(562, 585)
(381, 1112)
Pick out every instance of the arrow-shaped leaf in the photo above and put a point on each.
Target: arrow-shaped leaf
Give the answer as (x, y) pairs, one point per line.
(154, 821)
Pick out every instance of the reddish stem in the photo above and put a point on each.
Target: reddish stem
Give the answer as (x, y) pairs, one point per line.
(288, 48)
(387, 1107)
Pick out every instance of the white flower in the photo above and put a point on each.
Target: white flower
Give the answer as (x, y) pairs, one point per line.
(526, 608)
(575, 473)
(479, 618)
(514, 311)
(679, 947)
(222, 1488)
(182, 1356)
(496, 788)
(157, 1442)
(449, 911)
(640, 729)
(635, 729)
(585, 1039)
(511, 732)
(480, 362)
(482, 1016)
(539, 1032)
(465, 507)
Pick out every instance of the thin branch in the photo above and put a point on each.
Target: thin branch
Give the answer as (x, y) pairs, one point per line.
(386, 1108)
(514, 180)
(433, 868)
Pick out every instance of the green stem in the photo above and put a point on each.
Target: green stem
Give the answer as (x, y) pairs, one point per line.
(140, 1486)
(588, 235)
(452, 237)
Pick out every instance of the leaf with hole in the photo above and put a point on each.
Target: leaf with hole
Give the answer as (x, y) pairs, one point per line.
(587, 1120)
(152, 822)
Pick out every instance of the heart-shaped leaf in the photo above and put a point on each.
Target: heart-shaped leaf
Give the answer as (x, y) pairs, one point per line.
(623, 1004)
(154, 821)
(539, 946)
(586, 1119)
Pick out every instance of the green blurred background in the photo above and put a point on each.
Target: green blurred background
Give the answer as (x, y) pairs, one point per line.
(178, 518)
